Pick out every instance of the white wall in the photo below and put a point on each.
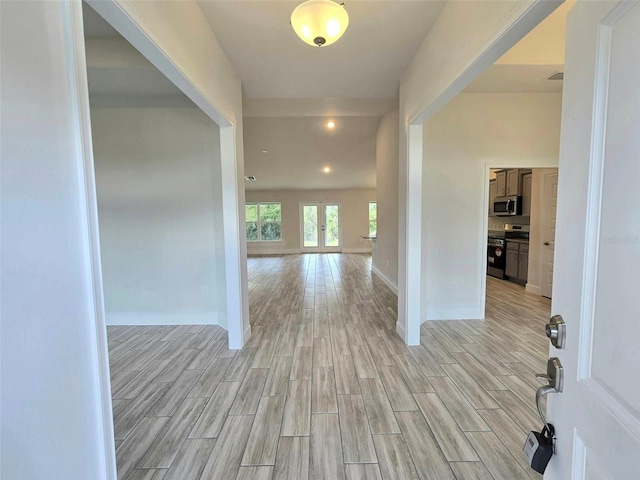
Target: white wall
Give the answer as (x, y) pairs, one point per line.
(355, 217)
(160, 208)
(466, 38)
(54, 423)
(473, 132)
(177, 39)
(385, 261)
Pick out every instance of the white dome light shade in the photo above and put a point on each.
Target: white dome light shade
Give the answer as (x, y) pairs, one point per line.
(319, 22)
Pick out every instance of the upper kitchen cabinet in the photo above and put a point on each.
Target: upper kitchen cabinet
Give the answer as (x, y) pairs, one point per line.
(526, 194)
(513, 182)
(501, 183)
(493, 193)
(510, 182)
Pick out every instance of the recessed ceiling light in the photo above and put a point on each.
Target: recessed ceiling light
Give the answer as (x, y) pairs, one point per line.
(326, 169)
(331, 124)
(264, 150)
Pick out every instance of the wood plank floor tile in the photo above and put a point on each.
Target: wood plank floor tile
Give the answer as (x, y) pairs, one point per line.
(292, 460)
(477, 396)
(346, 377)
(323, 391)
(471, 471)
(224, 461)
(278, 379)
(397, 390)
(173, 397)
(480, 374)
(360, 471)
(190, 460)
(326, 447)
(394, 458)
(148, 474)
(379, 351)
(412, 374)
(427, 456)
(348, 322)
(357, 444)
(365, 367)
(462, 411)
(215, 412)
(322, 356)
(297, 409)
(132, 449)
(496, 457)
(263, 440)
(255, 473)
(248, 397)
(211, 377)
(378, 407)
(136, 410)
(302, 364)
(452, 441)
(165, 448)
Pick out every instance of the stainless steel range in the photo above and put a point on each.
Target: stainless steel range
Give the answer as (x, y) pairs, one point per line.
(496, 253)
(496, 247)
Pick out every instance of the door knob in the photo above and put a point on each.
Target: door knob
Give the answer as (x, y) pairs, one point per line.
(546, 244)
(556, 330)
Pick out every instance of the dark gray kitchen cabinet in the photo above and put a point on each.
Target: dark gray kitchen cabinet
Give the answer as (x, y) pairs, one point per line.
(517, 267)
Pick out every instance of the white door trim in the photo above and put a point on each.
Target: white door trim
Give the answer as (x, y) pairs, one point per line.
(410, 303)
(81, 88)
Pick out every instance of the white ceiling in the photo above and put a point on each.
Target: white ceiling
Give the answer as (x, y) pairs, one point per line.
(300, 147)
(291, 89)
(367, 62)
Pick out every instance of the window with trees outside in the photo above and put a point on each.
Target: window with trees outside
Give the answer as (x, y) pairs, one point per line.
(264, 222)
(373, 218)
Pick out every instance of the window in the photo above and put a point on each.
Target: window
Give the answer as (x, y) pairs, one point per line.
(264, 222)
(373, 218)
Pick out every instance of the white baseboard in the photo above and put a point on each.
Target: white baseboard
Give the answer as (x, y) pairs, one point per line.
(454, 313)
(153, 318)
(357, 250)
(273, 251)
(385, 279)
(532, 289)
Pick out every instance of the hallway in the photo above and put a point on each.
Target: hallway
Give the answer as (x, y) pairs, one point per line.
(326, 389)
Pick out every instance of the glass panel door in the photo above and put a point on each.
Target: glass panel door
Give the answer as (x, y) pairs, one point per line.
(332, 227)
(310, 230)
(320, 227)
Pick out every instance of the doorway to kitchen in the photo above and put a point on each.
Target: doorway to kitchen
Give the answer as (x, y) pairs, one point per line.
(521, 227)
(320, 227)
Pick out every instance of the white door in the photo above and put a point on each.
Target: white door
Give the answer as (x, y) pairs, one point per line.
(549, 207)
(597, 264)
(320, 227)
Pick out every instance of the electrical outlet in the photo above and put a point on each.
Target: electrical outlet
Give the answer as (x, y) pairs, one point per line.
(454, 287)
(205, 291)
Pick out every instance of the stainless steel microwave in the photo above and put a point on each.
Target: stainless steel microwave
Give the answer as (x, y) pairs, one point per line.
(507, 206)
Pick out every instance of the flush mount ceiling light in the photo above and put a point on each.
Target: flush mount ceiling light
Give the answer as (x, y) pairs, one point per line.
(331, 124)
(320, 22)
(326, 169)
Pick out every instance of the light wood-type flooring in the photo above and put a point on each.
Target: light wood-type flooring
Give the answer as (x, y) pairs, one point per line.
(325, 389)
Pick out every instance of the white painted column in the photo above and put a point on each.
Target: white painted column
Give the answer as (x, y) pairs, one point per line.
(235, 255)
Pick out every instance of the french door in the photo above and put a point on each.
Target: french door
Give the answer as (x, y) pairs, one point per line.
(320, 227)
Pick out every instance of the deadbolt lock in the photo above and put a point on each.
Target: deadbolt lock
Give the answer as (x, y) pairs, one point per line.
(556, 330)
